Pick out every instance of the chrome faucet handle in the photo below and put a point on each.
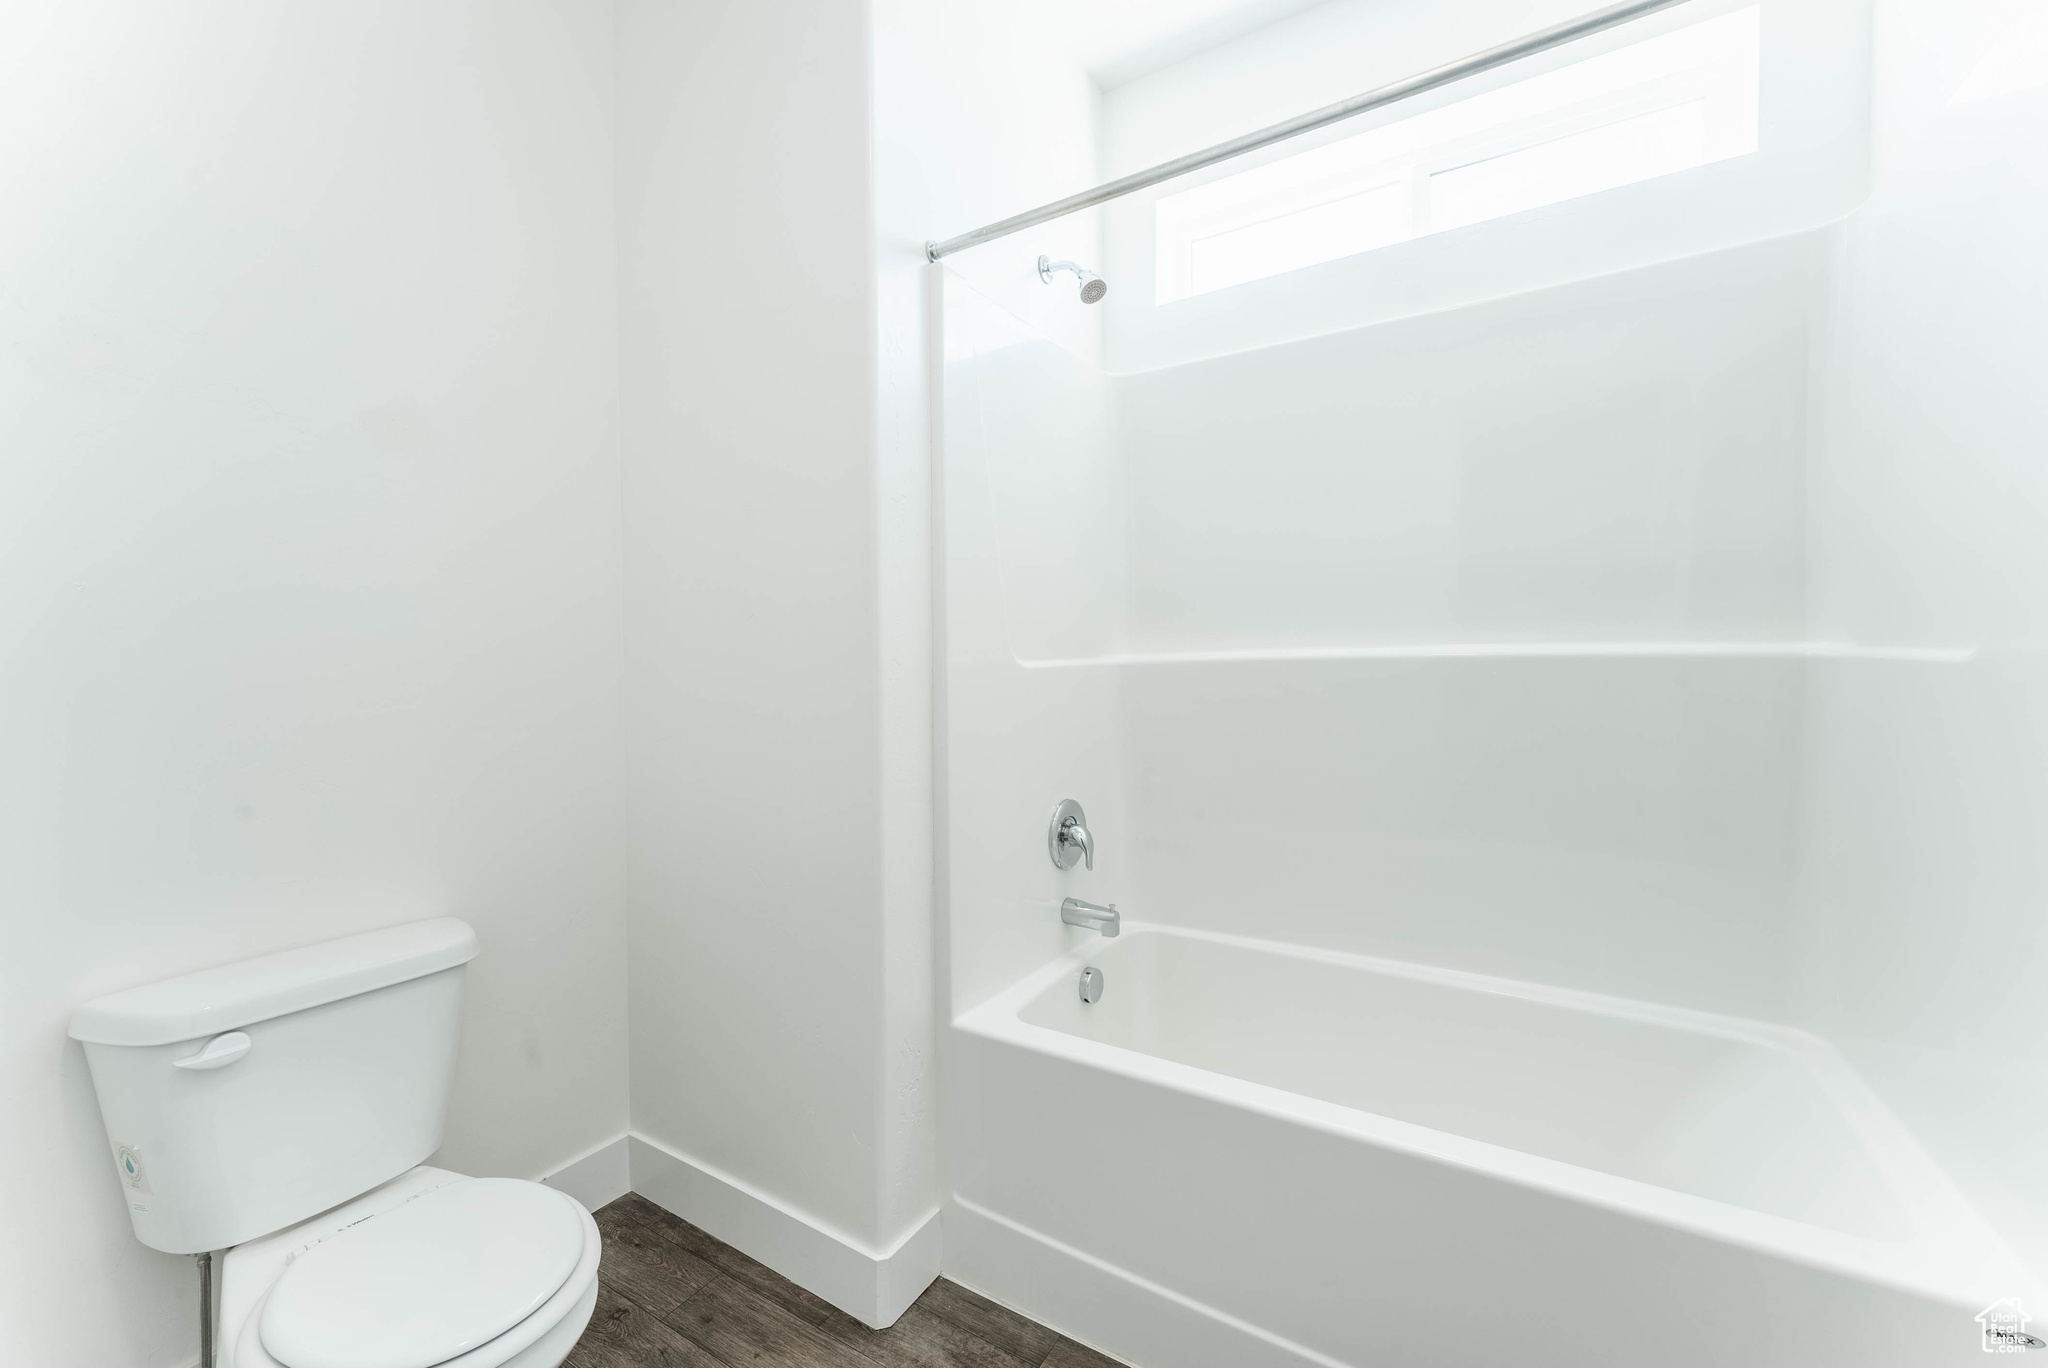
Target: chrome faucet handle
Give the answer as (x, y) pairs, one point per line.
(1068, 838)
(1072, 833)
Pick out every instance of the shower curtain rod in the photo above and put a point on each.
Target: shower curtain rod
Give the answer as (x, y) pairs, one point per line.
(1528, 46)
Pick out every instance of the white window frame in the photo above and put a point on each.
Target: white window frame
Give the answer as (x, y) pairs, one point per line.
(1715, 62)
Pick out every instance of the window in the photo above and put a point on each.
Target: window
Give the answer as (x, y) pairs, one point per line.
(1666, 104)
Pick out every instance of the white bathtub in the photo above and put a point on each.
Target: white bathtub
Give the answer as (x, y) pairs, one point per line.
(1249, 1153)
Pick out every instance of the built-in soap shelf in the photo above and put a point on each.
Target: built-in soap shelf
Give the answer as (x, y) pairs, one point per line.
(1534, 650)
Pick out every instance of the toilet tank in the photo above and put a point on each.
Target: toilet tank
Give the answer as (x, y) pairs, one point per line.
(243, 1099)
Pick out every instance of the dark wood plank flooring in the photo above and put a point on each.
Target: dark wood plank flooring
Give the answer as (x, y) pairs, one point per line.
(671, 1296)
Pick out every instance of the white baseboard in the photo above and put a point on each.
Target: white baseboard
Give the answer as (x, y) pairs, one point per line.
(874, 1286)
(1105, 1307)
(601, 1176)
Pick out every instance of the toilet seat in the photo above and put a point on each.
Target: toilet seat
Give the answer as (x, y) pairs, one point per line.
(468, 1274)
(446, 1272)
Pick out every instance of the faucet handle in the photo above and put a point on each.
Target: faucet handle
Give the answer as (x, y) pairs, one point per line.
(1072, 833)
(1068, 838)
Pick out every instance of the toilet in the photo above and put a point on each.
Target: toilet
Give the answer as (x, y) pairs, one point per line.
(280, 1109)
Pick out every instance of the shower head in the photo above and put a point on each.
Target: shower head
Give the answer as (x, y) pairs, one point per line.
(1093, 286)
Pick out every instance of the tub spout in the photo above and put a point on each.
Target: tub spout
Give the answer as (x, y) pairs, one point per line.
(1074, 912)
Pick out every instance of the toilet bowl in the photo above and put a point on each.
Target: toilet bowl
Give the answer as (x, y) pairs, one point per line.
(431, 1270)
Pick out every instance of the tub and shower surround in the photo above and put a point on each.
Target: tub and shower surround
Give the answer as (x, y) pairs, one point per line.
(1472, 644)
(1627, 677)
(1288, 623)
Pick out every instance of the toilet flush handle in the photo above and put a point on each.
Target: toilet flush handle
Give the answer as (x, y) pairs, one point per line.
(220, 1052)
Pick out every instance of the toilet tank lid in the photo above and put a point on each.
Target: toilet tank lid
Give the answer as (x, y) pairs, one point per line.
(234, 995)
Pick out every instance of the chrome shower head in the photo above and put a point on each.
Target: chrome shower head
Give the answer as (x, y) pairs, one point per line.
(1093, 286)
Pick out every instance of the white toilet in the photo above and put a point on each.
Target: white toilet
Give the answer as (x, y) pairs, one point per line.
(279, 1109)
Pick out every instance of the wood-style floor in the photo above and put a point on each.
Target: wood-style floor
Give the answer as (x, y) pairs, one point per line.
(670, 1296)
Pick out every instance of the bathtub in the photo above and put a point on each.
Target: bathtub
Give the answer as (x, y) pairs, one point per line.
(1248, 1153)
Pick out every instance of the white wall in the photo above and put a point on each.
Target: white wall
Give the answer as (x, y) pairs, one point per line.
(1928, 872)
(310, 569)
(982, 111)
(972, 119)
(781, 821)
(777, 435)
